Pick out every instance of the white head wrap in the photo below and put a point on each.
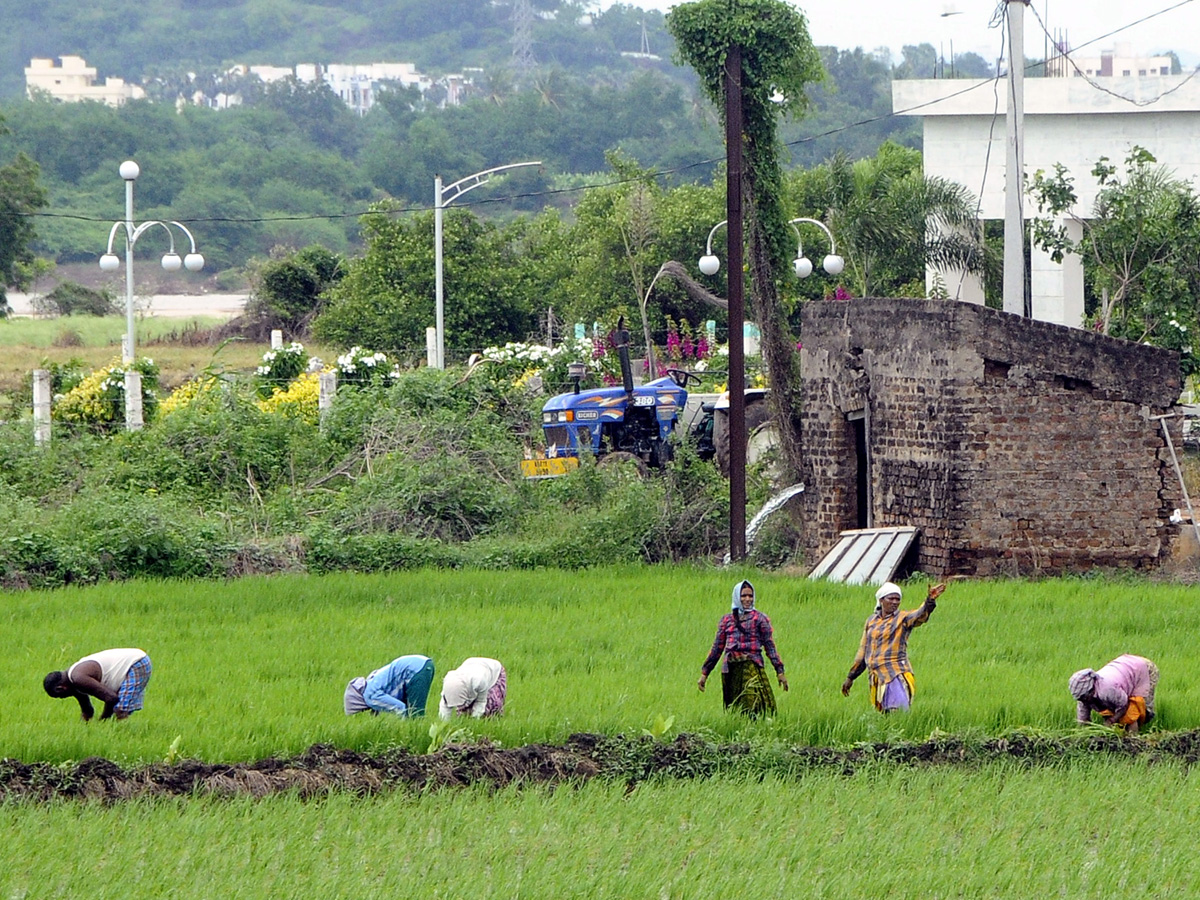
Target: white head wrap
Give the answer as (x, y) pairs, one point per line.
(737, 594)
(885, 591)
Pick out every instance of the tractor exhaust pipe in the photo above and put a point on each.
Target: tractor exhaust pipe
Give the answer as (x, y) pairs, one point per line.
(621, 339)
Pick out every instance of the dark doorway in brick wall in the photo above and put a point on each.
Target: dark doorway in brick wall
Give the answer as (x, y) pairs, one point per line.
(857, 422)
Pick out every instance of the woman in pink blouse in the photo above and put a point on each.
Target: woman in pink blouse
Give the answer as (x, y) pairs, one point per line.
(1122, 692)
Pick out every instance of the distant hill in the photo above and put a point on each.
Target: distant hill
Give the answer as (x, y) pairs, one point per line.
(135, 40)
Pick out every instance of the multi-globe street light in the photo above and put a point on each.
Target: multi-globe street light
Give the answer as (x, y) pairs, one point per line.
(109, 262)
(709, 264)
(443, 197)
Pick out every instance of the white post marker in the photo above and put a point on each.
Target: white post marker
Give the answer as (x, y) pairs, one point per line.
(41, 407)
(133, 400)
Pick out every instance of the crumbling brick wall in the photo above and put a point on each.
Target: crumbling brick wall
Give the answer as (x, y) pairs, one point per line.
(1016, 446)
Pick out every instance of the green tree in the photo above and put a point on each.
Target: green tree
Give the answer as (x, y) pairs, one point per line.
(289, 292)
(779, 62)
(20, 198)
(1140, 249)
(386, 300)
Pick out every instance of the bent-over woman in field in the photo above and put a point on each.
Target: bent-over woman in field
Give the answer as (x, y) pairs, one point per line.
(477, 688)
(742, 636)
(1122, 692)
(883, 650)
(400, 687)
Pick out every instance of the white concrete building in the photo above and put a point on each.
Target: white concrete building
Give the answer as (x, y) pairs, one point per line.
(73, 80)
(1067, 121)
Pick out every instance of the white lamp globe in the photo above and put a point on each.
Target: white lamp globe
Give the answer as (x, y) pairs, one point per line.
(129, 170)
(171, 262)
(709, 264)
(193, 262)
(109, 263)
(803, 266)
(834, 264)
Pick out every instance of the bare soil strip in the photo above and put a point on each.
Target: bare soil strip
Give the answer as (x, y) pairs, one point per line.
(323, 769)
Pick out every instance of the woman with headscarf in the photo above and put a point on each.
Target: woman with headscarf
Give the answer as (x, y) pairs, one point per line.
(1122, 692)
(883, 650)
(400, 687)
(742, 636)
(476, 688)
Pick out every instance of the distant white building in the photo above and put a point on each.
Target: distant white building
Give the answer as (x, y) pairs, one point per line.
(359, 85)
(72, 80)
(1120, 62)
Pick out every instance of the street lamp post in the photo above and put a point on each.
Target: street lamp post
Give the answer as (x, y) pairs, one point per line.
(709, 264)
(443, 197)
(109, 262)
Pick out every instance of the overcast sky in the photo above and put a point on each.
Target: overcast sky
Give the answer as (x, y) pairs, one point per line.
(893, 23)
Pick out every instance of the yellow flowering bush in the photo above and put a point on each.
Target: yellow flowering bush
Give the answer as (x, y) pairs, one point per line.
(99, 399)
(299, 399)
(186, 393)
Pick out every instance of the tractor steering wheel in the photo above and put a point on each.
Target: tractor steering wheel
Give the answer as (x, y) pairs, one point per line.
(682, 377)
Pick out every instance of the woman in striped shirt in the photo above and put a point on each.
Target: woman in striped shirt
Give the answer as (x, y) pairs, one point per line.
(884, 648)
(742, 636)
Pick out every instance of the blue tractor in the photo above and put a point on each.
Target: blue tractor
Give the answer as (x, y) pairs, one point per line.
(635, 421)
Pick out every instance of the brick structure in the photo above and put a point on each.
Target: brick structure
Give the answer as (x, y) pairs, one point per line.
(1016, 446)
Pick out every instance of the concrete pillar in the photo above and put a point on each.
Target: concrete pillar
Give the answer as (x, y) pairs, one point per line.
(431, 347)
(133, 400)
(326, 391)
(276, 339)
(41, 407)
(1057, 288)
(580, 331)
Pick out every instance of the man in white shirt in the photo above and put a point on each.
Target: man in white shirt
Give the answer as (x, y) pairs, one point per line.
(118, 678)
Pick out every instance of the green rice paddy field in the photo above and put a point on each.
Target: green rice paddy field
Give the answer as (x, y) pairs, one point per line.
(256, 668)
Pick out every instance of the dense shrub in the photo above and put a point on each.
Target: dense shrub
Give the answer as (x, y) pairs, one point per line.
(220, 444)
(420, 473)
(106, 536)
(70, 298)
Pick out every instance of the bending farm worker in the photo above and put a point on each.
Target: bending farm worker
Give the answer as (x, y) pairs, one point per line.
(883, 650)
(476, 688)
(742, 636)
(1122, 692)
(400, 687)
(117, 678)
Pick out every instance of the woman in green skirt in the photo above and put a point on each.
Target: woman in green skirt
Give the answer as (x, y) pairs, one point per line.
(742, 636)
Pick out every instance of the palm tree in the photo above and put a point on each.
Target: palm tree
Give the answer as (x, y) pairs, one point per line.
(891, 221)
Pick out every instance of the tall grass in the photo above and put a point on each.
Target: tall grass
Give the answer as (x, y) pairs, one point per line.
(1093, 829)
(257, 667)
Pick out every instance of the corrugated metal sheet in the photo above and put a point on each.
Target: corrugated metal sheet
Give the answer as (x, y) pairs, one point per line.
(866, 556)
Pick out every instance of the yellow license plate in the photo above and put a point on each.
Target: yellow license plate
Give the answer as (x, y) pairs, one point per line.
(548, 468)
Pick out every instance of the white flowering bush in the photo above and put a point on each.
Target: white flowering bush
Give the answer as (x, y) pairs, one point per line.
(364, 367)
(518, 363)
(279, 367)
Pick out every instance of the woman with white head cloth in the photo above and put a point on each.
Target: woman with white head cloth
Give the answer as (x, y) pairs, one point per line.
(883, 650)
(742, 636)
(476, 688)
(1122, 692)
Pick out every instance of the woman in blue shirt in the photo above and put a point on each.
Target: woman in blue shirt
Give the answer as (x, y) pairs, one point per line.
(400, 687)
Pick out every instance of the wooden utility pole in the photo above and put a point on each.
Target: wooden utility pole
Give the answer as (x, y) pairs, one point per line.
(737, 305)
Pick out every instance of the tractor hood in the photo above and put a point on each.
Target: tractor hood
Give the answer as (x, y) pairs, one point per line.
(595, 403)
